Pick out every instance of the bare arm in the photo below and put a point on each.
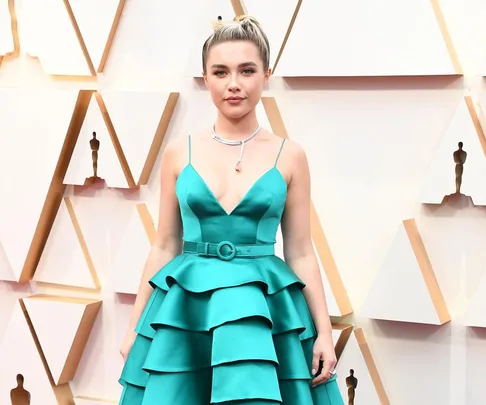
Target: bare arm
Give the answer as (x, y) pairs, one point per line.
(168, 239)
(298, 247)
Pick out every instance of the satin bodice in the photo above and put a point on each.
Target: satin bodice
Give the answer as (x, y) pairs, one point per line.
(254, 220)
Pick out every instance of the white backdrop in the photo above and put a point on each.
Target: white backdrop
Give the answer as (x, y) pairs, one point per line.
(377, 96)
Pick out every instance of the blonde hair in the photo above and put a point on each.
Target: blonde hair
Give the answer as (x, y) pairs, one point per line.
(242, 28)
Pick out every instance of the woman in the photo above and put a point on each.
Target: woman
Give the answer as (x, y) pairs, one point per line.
(218, 316)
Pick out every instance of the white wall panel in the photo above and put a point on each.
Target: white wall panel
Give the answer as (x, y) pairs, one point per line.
(373, 38)
(55, 44)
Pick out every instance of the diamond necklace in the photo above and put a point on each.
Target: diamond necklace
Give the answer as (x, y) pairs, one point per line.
(232, 142)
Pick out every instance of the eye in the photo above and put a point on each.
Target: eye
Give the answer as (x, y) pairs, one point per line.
(219, 72)
(249, 71)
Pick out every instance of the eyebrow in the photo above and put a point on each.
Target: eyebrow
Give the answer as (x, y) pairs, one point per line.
(244, 64)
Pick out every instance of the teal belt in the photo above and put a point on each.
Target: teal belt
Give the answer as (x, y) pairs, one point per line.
(227, 250)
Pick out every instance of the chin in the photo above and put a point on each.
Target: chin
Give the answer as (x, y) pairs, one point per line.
(236, 111)
(235, 114)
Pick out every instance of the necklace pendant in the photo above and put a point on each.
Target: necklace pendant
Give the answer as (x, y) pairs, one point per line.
(238, 166)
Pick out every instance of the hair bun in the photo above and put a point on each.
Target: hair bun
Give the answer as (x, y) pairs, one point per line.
(245, 19)
(218, 24)
(241, 27)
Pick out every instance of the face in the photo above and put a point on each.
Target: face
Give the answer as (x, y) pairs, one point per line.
(235, 77)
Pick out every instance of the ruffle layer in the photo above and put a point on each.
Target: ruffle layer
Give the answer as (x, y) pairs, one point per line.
(218, 332)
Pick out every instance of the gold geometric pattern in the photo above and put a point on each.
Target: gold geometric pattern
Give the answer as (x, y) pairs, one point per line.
(146, 145)
(439, 15)
(82, 242)
(79, 37)
(22, 354)
(406, 268)
(375, 376)
(66, 259)
(147, 222)
(357, 356)
(112, 114)
(93, 11)
(55, 192)
(62, 336)
(341, 334)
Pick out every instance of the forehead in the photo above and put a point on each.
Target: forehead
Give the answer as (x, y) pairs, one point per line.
(233, 53)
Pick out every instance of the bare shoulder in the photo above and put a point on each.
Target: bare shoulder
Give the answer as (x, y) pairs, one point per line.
(176, 145)
(295, 151)
(175, 153)
(293, 159)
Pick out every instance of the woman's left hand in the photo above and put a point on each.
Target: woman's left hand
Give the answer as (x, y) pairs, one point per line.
(323, 351)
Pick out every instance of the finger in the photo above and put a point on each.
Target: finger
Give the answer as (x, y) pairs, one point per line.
(315, 363)
(324, 376)
(321, 378)
(330, 364)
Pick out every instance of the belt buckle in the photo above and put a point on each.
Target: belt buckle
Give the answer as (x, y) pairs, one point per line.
(230, 245)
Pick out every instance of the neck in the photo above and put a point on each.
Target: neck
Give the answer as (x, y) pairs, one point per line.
(236, 129)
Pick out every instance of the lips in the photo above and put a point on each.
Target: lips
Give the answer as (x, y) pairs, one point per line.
(234, 99)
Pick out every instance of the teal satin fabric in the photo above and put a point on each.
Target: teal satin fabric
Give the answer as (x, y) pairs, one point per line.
(233, 331)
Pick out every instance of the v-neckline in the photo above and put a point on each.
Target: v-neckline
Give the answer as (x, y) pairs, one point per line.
(245, 196)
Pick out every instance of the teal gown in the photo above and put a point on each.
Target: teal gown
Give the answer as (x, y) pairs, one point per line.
(227, 322)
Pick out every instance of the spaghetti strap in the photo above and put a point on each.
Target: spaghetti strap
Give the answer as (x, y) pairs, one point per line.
(189, 148)
(279, 151)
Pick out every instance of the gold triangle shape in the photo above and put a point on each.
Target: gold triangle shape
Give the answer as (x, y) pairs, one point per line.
(62, 392)
(147, 222)
(386, 298)
(345, 331)
(370, 364)
(157, 141)
(446, 36)
(56, 190)
(356, 356)
(96, 69)
(80, 339)
(82, 242)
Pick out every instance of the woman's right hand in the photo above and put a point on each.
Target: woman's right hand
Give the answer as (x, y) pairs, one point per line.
(127, 344)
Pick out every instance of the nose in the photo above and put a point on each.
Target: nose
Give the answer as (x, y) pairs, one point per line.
(234, 84)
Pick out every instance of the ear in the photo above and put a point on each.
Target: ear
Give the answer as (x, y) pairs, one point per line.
(205, 77)
(268, 74)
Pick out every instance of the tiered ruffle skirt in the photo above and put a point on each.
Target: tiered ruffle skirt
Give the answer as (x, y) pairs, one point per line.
(224, 332)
